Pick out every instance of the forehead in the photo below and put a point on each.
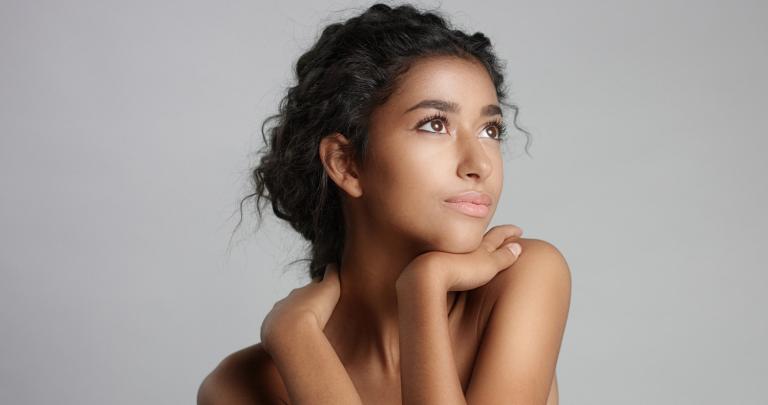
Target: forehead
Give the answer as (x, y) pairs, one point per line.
(448, 78)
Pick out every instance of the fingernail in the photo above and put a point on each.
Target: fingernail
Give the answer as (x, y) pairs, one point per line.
(515, 248)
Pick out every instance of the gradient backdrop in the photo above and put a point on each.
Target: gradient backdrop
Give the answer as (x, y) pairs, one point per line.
(127, 130)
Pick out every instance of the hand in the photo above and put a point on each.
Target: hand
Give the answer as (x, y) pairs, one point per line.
(314, 301)
(467, 271)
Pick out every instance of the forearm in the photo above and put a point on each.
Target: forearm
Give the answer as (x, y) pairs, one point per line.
(428, 369)
(311, 370)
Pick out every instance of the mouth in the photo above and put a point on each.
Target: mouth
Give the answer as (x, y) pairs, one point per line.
(468, 208)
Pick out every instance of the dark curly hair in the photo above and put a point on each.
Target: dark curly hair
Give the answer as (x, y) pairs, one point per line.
(352, 68)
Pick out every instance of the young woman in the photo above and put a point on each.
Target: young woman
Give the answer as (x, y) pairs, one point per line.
(387, 158)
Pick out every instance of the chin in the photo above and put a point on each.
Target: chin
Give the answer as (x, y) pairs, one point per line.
(459, 241)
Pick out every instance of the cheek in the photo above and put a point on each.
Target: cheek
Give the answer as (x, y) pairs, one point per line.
(404, 168)
(399, 194)
(404, 186)
(411, 207)
(404, 192)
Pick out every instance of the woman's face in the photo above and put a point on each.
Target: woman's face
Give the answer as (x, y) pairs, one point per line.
(414, 165)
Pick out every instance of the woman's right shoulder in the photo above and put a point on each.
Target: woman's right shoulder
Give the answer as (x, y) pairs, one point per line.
(247, 376)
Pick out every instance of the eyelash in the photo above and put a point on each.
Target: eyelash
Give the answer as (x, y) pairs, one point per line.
(502, 128)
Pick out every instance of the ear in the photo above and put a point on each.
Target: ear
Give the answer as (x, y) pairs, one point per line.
(339, 164)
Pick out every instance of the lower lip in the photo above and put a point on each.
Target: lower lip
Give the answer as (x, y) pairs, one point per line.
(473, 210)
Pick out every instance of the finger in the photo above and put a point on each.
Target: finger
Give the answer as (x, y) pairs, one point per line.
(319, 279)
(331, 272)
(499, 234)
(331, 280)
(507, 255)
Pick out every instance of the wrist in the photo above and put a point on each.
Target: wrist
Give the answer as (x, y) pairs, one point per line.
(425, 275)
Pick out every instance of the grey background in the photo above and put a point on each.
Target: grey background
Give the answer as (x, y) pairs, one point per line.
(128, 130)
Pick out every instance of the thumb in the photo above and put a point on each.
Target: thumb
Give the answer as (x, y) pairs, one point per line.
(510, 252)
(515, 248)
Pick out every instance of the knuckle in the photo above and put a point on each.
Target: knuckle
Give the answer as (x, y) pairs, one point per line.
(513, 228)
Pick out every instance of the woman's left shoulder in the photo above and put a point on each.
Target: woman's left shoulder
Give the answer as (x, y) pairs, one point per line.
(541, 252)
(540, 265)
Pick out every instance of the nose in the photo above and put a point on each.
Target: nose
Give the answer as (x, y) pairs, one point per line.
(473, 159)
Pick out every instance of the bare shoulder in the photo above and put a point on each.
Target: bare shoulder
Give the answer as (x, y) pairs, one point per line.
(540, 261)
(534, 292)
(540, 265)
(247, 376)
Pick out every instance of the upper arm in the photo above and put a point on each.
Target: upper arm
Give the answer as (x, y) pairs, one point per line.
(246, 377)
(521, 342)
(554, 394)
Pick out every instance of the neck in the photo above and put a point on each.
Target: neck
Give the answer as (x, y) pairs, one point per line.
(364, 326)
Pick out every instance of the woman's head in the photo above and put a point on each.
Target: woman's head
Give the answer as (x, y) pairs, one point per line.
(344, 140)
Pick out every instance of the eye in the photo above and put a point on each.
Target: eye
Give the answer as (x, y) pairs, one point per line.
(436, 124)
(497, 129)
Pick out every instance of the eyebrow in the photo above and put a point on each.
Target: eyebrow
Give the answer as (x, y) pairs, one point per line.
(453, 107)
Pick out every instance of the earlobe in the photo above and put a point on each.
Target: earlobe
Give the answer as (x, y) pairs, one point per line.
(336, 157)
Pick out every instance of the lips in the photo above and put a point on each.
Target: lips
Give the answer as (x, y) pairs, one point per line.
(474, 197)
(473, 203)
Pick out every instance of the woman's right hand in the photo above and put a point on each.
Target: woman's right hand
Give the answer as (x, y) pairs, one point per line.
(314, 301)
(466, 271)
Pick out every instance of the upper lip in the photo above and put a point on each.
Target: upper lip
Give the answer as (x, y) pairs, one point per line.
(475, 197)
